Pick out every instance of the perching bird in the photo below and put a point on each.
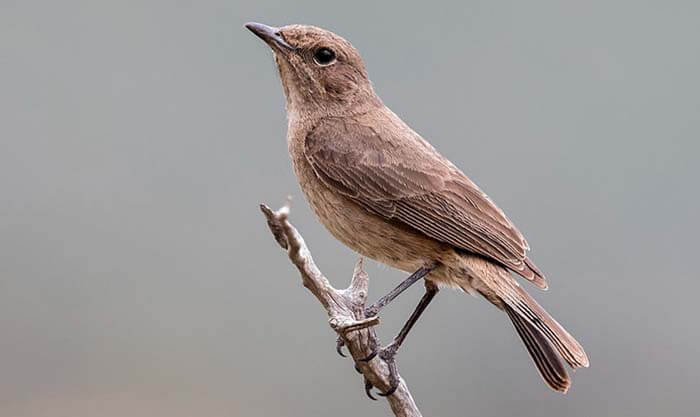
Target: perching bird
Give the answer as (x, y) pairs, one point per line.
(386, 193)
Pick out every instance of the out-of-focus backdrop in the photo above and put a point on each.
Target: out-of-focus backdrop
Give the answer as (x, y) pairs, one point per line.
(137, 138)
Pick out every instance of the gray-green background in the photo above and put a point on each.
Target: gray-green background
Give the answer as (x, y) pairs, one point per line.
(137, 277)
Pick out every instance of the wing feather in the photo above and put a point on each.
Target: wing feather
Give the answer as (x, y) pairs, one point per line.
(399, 176)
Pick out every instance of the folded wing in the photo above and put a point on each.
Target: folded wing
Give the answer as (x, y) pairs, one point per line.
(401, 177)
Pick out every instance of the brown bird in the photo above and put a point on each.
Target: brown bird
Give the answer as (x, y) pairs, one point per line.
(385, 192)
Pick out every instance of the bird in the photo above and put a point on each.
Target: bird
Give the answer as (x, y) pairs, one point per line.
(385, 192)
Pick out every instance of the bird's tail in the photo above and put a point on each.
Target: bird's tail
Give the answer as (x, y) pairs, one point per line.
(543, 354)
(545, 339)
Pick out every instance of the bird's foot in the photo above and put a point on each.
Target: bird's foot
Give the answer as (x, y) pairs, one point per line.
(368, 384)
(387, 354)
(368, 390)
(344, 328)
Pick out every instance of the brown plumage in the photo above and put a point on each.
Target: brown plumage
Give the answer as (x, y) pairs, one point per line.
(385, 192)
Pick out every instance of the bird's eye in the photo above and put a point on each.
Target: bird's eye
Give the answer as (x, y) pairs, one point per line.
(324, 56)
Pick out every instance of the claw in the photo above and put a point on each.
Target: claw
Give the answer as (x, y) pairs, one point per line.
(339, 343)
(368, 389)
(368, 385)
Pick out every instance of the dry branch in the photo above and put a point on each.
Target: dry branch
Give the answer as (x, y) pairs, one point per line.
(345, 310)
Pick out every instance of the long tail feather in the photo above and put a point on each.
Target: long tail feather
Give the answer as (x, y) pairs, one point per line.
(543, 354)
(566, 345)
(502, 288)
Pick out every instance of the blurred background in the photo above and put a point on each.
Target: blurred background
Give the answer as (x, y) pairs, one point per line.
(137, 138)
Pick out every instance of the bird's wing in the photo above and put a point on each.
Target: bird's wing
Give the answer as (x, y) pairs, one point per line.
(401, 177)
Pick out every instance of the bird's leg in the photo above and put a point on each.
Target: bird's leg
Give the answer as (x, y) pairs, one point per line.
(372, 310)
(389, 352)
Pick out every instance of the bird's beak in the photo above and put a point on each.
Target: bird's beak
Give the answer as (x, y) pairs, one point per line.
(271, 35)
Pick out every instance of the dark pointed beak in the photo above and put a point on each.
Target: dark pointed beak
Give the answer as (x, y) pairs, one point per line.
(271, 35)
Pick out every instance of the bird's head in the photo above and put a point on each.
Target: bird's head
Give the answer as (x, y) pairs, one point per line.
(320, 71)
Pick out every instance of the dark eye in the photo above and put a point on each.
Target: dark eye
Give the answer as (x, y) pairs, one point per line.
(324, 56)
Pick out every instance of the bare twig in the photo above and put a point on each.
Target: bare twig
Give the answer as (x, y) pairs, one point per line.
(345, 310)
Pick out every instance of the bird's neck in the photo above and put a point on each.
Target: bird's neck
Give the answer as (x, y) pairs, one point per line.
(299, 108)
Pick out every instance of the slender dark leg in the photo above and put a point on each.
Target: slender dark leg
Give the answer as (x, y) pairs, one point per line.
(382, 302)
(430, 291)
(389, 352)
(372, 310)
